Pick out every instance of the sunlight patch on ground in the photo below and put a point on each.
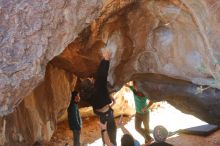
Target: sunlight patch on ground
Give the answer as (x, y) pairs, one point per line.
(173, 119)
(130, 127)
(166, 115)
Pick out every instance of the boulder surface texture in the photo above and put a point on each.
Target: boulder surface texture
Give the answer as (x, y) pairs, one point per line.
(170, 48)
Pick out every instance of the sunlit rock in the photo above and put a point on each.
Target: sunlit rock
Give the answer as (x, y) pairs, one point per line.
(171, 47)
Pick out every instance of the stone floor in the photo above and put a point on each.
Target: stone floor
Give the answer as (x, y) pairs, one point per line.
(166, 115)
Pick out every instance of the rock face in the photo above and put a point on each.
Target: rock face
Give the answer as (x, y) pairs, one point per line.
(36, 117)
(170, 47)
(31, 34)
(175, 39)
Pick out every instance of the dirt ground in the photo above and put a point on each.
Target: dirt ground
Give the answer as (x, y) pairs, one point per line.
(167, 116)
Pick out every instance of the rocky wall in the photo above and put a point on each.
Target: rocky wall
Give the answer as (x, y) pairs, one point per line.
(31, 34)
(35, 119)
(176, 39)
(168, 46)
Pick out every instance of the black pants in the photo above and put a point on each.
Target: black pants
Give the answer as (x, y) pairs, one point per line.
(139, 118)
(76, 138)
(111, 126)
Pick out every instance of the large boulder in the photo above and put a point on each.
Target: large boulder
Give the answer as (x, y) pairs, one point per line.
(31, 34)
(36, 117)
(34, 94)
(171, 41)
(170, 47)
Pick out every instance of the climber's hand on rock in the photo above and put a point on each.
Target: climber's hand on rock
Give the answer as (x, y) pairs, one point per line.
(106, 54)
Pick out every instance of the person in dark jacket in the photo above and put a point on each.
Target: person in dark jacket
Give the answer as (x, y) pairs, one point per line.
(74, 118)
(95, 91)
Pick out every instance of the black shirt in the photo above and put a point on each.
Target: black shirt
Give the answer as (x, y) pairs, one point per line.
(101, 95)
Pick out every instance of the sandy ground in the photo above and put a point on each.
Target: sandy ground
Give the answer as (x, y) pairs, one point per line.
(166, 115)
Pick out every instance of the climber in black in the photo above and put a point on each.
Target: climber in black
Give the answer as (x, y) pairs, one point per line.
(95, 91)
